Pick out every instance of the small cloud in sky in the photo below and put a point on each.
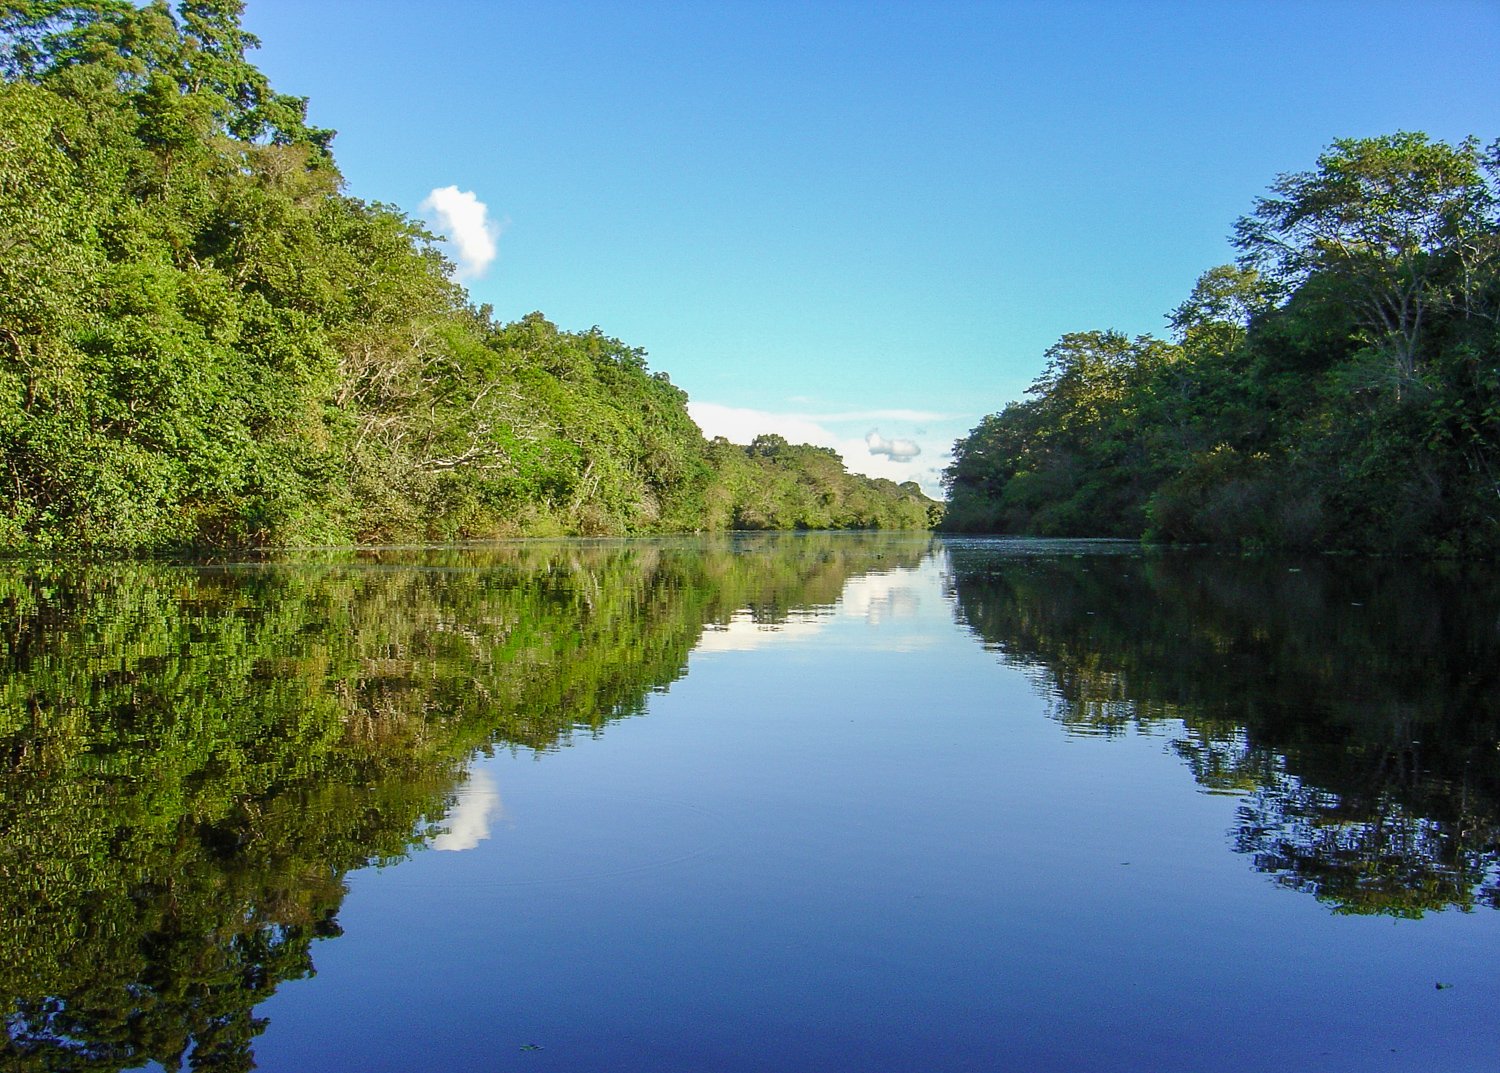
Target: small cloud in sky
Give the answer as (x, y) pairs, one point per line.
(461, 216)
(895, 450)
(894, 460)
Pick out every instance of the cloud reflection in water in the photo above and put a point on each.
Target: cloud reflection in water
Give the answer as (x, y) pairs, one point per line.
(478, 806)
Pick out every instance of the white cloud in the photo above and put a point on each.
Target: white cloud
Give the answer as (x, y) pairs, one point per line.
(895, 450)
(464, 219)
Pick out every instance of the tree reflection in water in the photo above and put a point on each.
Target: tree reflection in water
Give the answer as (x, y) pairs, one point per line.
(1354, 705)
(192, 758)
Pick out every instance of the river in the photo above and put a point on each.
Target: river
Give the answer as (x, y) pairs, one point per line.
(805, 802)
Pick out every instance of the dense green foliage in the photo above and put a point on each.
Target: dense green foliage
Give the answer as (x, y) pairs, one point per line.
(1352, 704)
(1338, 388)
(204, 342)
(194, 757)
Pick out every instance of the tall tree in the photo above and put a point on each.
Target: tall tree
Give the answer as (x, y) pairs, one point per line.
(199, 51)
(1395, 218)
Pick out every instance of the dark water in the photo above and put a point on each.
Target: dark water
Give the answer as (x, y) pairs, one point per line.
(802, 803)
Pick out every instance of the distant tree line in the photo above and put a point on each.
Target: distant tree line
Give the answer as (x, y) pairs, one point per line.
(205, 342)
(1336, 388)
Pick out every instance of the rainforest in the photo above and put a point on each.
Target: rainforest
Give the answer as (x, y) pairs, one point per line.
(1337, 388)
(386, 684)
(205, 342)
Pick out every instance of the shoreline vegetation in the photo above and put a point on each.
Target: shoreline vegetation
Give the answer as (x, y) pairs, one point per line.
(1336, 389)
(205, 344)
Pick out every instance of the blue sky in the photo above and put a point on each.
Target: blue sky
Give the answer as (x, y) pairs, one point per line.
(860, 224)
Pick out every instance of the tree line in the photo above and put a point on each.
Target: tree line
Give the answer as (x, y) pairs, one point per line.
(1338, 387)
(204, 341)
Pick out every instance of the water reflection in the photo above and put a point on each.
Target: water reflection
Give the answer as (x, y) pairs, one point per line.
(478, 805)
(744, 633)
(1355, 706)
(881, 598)
(193, 757)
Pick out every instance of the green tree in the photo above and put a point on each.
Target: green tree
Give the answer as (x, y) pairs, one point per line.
(1215, 318)
(1398, 218)
(1337, 388)
(204, 342)
(200, 51)
(1072, 460)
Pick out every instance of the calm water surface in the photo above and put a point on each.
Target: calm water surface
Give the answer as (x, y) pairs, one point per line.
(823, 802)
